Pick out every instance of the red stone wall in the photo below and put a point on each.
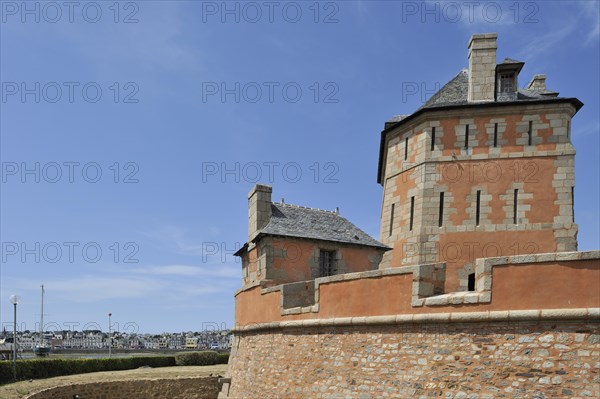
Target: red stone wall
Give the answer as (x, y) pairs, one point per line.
(286, 260)
(543, 174)
(565, 284)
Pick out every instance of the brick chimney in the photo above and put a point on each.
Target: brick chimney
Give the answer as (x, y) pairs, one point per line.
(538, 82)
(259, 209)
(482, 67)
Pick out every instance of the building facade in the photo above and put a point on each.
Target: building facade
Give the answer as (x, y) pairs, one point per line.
(290, 243)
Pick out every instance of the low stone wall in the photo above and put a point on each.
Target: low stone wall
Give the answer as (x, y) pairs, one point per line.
(540, 359)
(541, 281)
(180, 388)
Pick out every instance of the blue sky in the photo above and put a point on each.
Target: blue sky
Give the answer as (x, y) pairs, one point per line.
(154, 118)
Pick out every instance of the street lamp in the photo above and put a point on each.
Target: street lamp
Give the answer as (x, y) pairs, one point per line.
(109, 337)
(14, 299)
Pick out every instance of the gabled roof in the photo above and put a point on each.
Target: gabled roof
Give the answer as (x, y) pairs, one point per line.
(297, 221)
(316, 224)
(508, 64)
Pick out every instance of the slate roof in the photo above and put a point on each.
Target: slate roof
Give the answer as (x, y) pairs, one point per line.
(455, 92)
(510, 61)
(398, 118)
(297, 221)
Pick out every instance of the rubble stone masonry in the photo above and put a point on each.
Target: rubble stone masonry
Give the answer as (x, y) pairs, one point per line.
(481, 360)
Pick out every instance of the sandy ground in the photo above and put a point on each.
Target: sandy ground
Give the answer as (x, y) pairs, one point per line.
(21, 389)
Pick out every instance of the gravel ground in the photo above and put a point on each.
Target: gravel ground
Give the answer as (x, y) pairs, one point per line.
(21, 389)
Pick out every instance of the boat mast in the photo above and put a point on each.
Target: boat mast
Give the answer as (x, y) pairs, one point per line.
(42, 319)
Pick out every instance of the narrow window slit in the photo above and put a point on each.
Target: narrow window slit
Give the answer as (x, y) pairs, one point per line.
(471, 282)
(441, 212)
(495, 135)
(412, 212)
(478, 207)
(406, 149)
(573, 203)
(432, 138)
(515, 205)
(466, 136)
(392, 219)
(530, 133)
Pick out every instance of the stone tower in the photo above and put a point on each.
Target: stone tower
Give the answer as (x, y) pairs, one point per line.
(476, 180)
(482, 169)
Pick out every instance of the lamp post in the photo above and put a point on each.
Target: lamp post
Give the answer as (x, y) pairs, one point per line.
(109, 337)
(14, 299)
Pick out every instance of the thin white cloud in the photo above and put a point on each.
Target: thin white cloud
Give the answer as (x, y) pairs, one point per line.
(222, 271)
(586, 130)
(154, 44)
(584, 22)
(492, 16)
(95, 289)
(202, 290)
(212, 249)
(590, 10)
(542, 44)
(170, 282)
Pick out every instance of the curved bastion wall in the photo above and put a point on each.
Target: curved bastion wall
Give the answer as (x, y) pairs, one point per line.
(530, 329)
(484, 359)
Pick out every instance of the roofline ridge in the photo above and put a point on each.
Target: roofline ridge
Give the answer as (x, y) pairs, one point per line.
(304, 207)
(427, 103)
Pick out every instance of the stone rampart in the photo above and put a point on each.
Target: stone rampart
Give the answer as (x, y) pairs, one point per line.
(531, 329)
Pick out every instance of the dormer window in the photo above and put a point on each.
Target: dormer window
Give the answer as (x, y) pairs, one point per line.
(507, 76)
(507, 83)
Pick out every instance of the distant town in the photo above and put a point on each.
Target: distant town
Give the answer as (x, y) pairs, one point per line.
(97, 340)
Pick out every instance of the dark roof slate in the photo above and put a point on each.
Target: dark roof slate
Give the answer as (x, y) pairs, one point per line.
(527, 94)
(397, 118)
(455, 92)
(511, 61)
(296, 221)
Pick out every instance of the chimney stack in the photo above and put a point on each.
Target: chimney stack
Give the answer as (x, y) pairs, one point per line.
(259, 209)
(482, 67)
(538, 82)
